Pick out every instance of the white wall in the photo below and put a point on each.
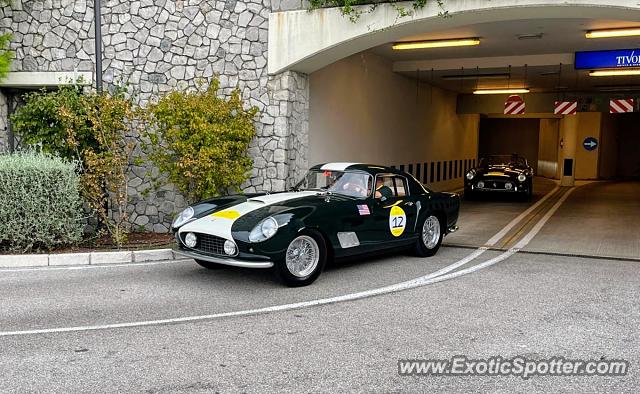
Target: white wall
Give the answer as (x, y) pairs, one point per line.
(361, 111)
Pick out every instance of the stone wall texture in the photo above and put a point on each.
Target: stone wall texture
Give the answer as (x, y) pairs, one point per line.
(164, 45)
(4, 124)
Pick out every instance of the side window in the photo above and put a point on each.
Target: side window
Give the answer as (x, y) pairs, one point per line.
(401, 186)
(384, 188)
(389, 186)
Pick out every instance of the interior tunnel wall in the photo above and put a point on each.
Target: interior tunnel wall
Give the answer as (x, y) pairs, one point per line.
(506, 136)
(620, 145)
(586, 162)
(361, 111)
(548, 148)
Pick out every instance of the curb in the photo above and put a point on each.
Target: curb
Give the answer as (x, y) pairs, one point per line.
(91, 258)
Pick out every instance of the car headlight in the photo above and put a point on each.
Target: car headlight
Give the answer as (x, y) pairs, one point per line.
(264, 230)
(190, 240)
(471, 174)
(522, 177)
(230, 248)
(183, 217)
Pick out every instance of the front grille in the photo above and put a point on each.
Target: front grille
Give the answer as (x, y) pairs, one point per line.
(210, 244)
(494, 184)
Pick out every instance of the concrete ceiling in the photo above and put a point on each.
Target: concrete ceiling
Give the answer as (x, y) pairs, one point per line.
(500, 47)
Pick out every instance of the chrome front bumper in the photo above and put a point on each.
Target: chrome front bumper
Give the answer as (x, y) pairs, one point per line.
(224, 261)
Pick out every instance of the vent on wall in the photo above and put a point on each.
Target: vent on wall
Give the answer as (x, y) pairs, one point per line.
(438, 171)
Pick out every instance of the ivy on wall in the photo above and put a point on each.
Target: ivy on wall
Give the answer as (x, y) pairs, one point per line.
(6, 55)
(350, 9)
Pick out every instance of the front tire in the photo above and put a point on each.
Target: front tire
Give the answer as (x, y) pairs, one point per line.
(304, 260)
(431, 235)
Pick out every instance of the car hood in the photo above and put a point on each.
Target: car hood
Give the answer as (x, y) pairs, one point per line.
(220, 222)
(500, 171)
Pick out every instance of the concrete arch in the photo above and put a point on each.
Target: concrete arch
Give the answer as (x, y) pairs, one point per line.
(306, 41)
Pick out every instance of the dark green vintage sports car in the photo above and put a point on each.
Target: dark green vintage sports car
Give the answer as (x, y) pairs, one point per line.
(338, 210)
(510, 174)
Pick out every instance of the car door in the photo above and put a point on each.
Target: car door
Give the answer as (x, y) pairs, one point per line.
(349, 220)
(393, 215)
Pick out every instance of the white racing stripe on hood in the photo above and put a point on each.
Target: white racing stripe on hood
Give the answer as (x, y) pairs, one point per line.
(216, 224)
(341, 166)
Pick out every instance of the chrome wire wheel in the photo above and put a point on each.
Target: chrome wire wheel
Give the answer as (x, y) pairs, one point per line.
(431, 232)
(303, 255)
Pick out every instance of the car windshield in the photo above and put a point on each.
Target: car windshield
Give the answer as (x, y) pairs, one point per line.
(503, 160)
(354, 184)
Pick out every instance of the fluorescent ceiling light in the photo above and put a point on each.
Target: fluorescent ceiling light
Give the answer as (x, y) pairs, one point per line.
(614, 73)
(609, 33)
(535, 36)
(477, 76)
(436, 43)
(501, 91)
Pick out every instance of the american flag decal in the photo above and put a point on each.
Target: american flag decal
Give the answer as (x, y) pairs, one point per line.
(363, 210)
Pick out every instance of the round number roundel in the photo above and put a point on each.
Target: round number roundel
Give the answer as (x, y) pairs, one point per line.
(397, 221)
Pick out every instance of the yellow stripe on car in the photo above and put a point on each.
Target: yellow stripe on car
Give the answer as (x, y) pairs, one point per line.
(227, 214)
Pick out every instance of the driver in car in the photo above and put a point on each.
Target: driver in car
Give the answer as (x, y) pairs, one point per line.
(382, 190)
(354, 184)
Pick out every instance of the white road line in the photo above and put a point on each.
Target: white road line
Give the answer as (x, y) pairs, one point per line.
(520, 245)
(434, 277)
(508, 227)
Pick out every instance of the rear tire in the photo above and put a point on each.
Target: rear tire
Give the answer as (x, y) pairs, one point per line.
(209, 265)
(304, 260)
(430, 237)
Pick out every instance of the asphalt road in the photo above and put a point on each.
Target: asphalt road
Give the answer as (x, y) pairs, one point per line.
(534, 305)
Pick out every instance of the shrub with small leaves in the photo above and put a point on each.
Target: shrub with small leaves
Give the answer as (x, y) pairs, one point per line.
(40, 203)
(199, 141)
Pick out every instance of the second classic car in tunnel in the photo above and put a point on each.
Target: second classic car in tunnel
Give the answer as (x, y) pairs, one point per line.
(510, 174)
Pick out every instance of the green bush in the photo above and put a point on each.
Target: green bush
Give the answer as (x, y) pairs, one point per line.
(40, 204)
(199, 140)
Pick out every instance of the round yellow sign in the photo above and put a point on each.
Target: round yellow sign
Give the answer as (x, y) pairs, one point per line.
(397, 221)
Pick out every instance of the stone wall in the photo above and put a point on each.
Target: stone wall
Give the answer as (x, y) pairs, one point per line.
(163, 45)
(4, 126)
(289, 5)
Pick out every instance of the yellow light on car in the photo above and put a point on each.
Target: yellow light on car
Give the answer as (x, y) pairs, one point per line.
(611, 33)
(614, 73)
(459, 42)
(501, 91)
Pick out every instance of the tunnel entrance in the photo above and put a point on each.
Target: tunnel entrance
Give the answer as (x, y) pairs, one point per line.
(620, 154)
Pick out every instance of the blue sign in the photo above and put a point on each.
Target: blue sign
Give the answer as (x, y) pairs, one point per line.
(590, 143)
(607, 59)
